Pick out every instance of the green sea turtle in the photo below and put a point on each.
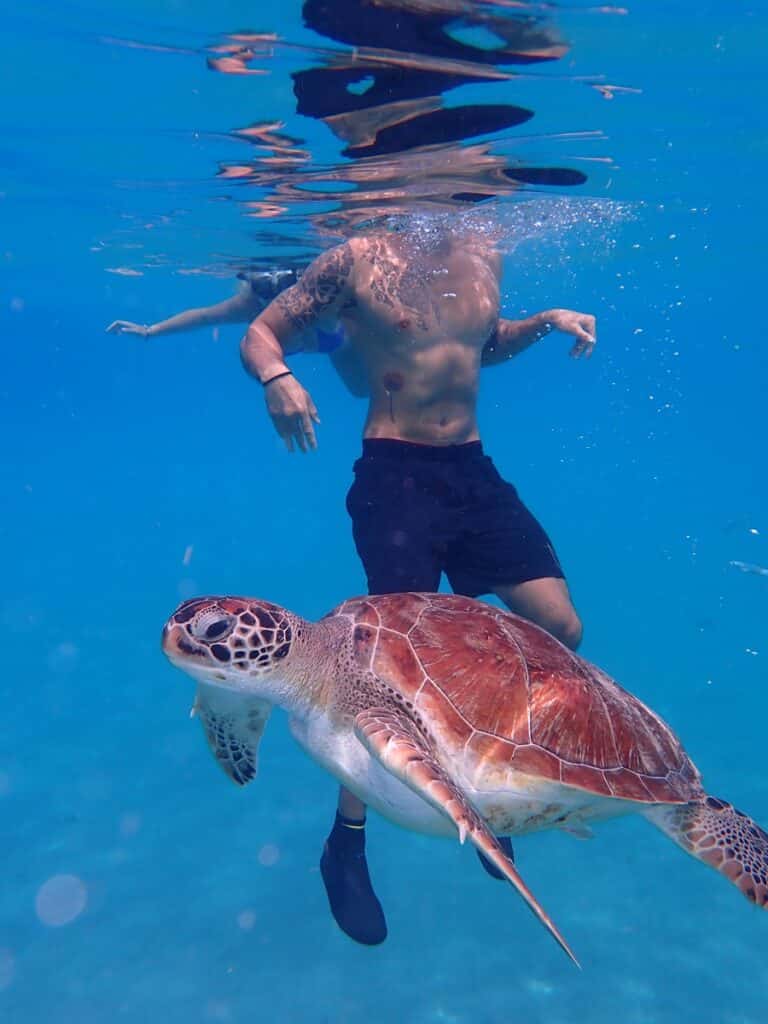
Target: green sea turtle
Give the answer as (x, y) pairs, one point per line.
(444, 713)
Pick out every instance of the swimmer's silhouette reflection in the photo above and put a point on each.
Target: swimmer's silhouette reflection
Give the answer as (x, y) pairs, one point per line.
(382, 93)
(385, 97)
(433, 29)
(390, 92)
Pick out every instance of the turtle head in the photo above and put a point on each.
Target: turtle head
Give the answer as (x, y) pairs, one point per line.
(235, 642)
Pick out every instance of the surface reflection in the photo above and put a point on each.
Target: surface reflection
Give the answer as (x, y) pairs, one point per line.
(385, 100)
(400, 87)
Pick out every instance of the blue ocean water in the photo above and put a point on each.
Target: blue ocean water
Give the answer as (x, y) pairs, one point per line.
(138, 883)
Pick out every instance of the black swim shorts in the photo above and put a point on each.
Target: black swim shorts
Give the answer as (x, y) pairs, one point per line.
(421, 510)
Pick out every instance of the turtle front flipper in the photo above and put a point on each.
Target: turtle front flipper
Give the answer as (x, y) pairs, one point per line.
(726, 839)
(396, 741)
(233, 725)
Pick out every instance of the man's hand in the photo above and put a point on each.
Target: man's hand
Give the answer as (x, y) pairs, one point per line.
(126, 327)
(581, 325)
(293, 412)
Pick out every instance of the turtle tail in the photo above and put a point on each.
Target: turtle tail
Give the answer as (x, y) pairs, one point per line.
(726, 839)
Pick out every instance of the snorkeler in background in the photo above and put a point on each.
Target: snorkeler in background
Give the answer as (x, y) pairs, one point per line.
(258, 289)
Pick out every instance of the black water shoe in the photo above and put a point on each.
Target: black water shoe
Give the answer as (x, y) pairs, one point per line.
(353, 902)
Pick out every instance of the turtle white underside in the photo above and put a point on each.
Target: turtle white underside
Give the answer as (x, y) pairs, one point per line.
(525, 804)
(234, 723)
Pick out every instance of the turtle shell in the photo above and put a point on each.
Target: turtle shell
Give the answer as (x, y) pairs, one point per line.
(508, 695)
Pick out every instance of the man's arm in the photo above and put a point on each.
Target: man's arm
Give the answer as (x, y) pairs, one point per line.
(512, 337)
(238, 310)
(316, 299)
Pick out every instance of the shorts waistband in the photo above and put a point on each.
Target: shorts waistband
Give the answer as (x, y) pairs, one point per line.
(389, 448)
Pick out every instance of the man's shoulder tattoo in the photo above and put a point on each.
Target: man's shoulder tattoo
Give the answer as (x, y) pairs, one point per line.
(318, 288)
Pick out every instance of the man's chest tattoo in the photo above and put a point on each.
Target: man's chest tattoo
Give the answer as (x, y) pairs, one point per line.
(396, 285)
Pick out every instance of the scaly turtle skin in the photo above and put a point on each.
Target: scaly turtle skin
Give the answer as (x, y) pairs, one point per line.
(446, 713)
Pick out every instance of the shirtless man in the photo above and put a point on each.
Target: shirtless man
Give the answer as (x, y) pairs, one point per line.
(422, 321)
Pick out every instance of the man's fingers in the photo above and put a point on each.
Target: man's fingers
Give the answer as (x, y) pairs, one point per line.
(293, 418)
(589, 326)
(312, 408)
(293, 432)
(308, 430)
(125, 327)
(301, 442)
(284, 429)
(583, 346)
(287, 438)
(583, 327)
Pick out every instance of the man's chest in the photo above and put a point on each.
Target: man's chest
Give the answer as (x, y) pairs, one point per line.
(427, 302)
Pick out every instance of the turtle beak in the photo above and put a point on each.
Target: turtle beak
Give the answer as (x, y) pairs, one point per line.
(176, 645)
(165, 635)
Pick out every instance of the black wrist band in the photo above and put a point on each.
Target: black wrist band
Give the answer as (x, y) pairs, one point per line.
(285, 373)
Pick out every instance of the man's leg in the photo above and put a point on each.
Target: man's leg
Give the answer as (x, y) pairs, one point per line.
(502, 541)
(392, 539)
(547, 603)
(344, 869)
(501, 538)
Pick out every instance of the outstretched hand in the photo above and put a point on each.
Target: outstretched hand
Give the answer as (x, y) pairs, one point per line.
(127, 327)
(293, 412)
(581, 325)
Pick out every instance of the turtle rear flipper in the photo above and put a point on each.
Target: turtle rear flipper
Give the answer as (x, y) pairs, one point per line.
(395, 740)
(726, 839)
(233, 724)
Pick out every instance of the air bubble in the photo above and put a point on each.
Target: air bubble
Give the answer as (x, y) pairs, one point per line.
(246, 919)
(61, 900)
(268, 855)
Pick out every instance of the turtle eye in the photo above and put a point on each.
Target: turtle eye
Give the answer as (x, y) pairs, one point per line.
(212, 625)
